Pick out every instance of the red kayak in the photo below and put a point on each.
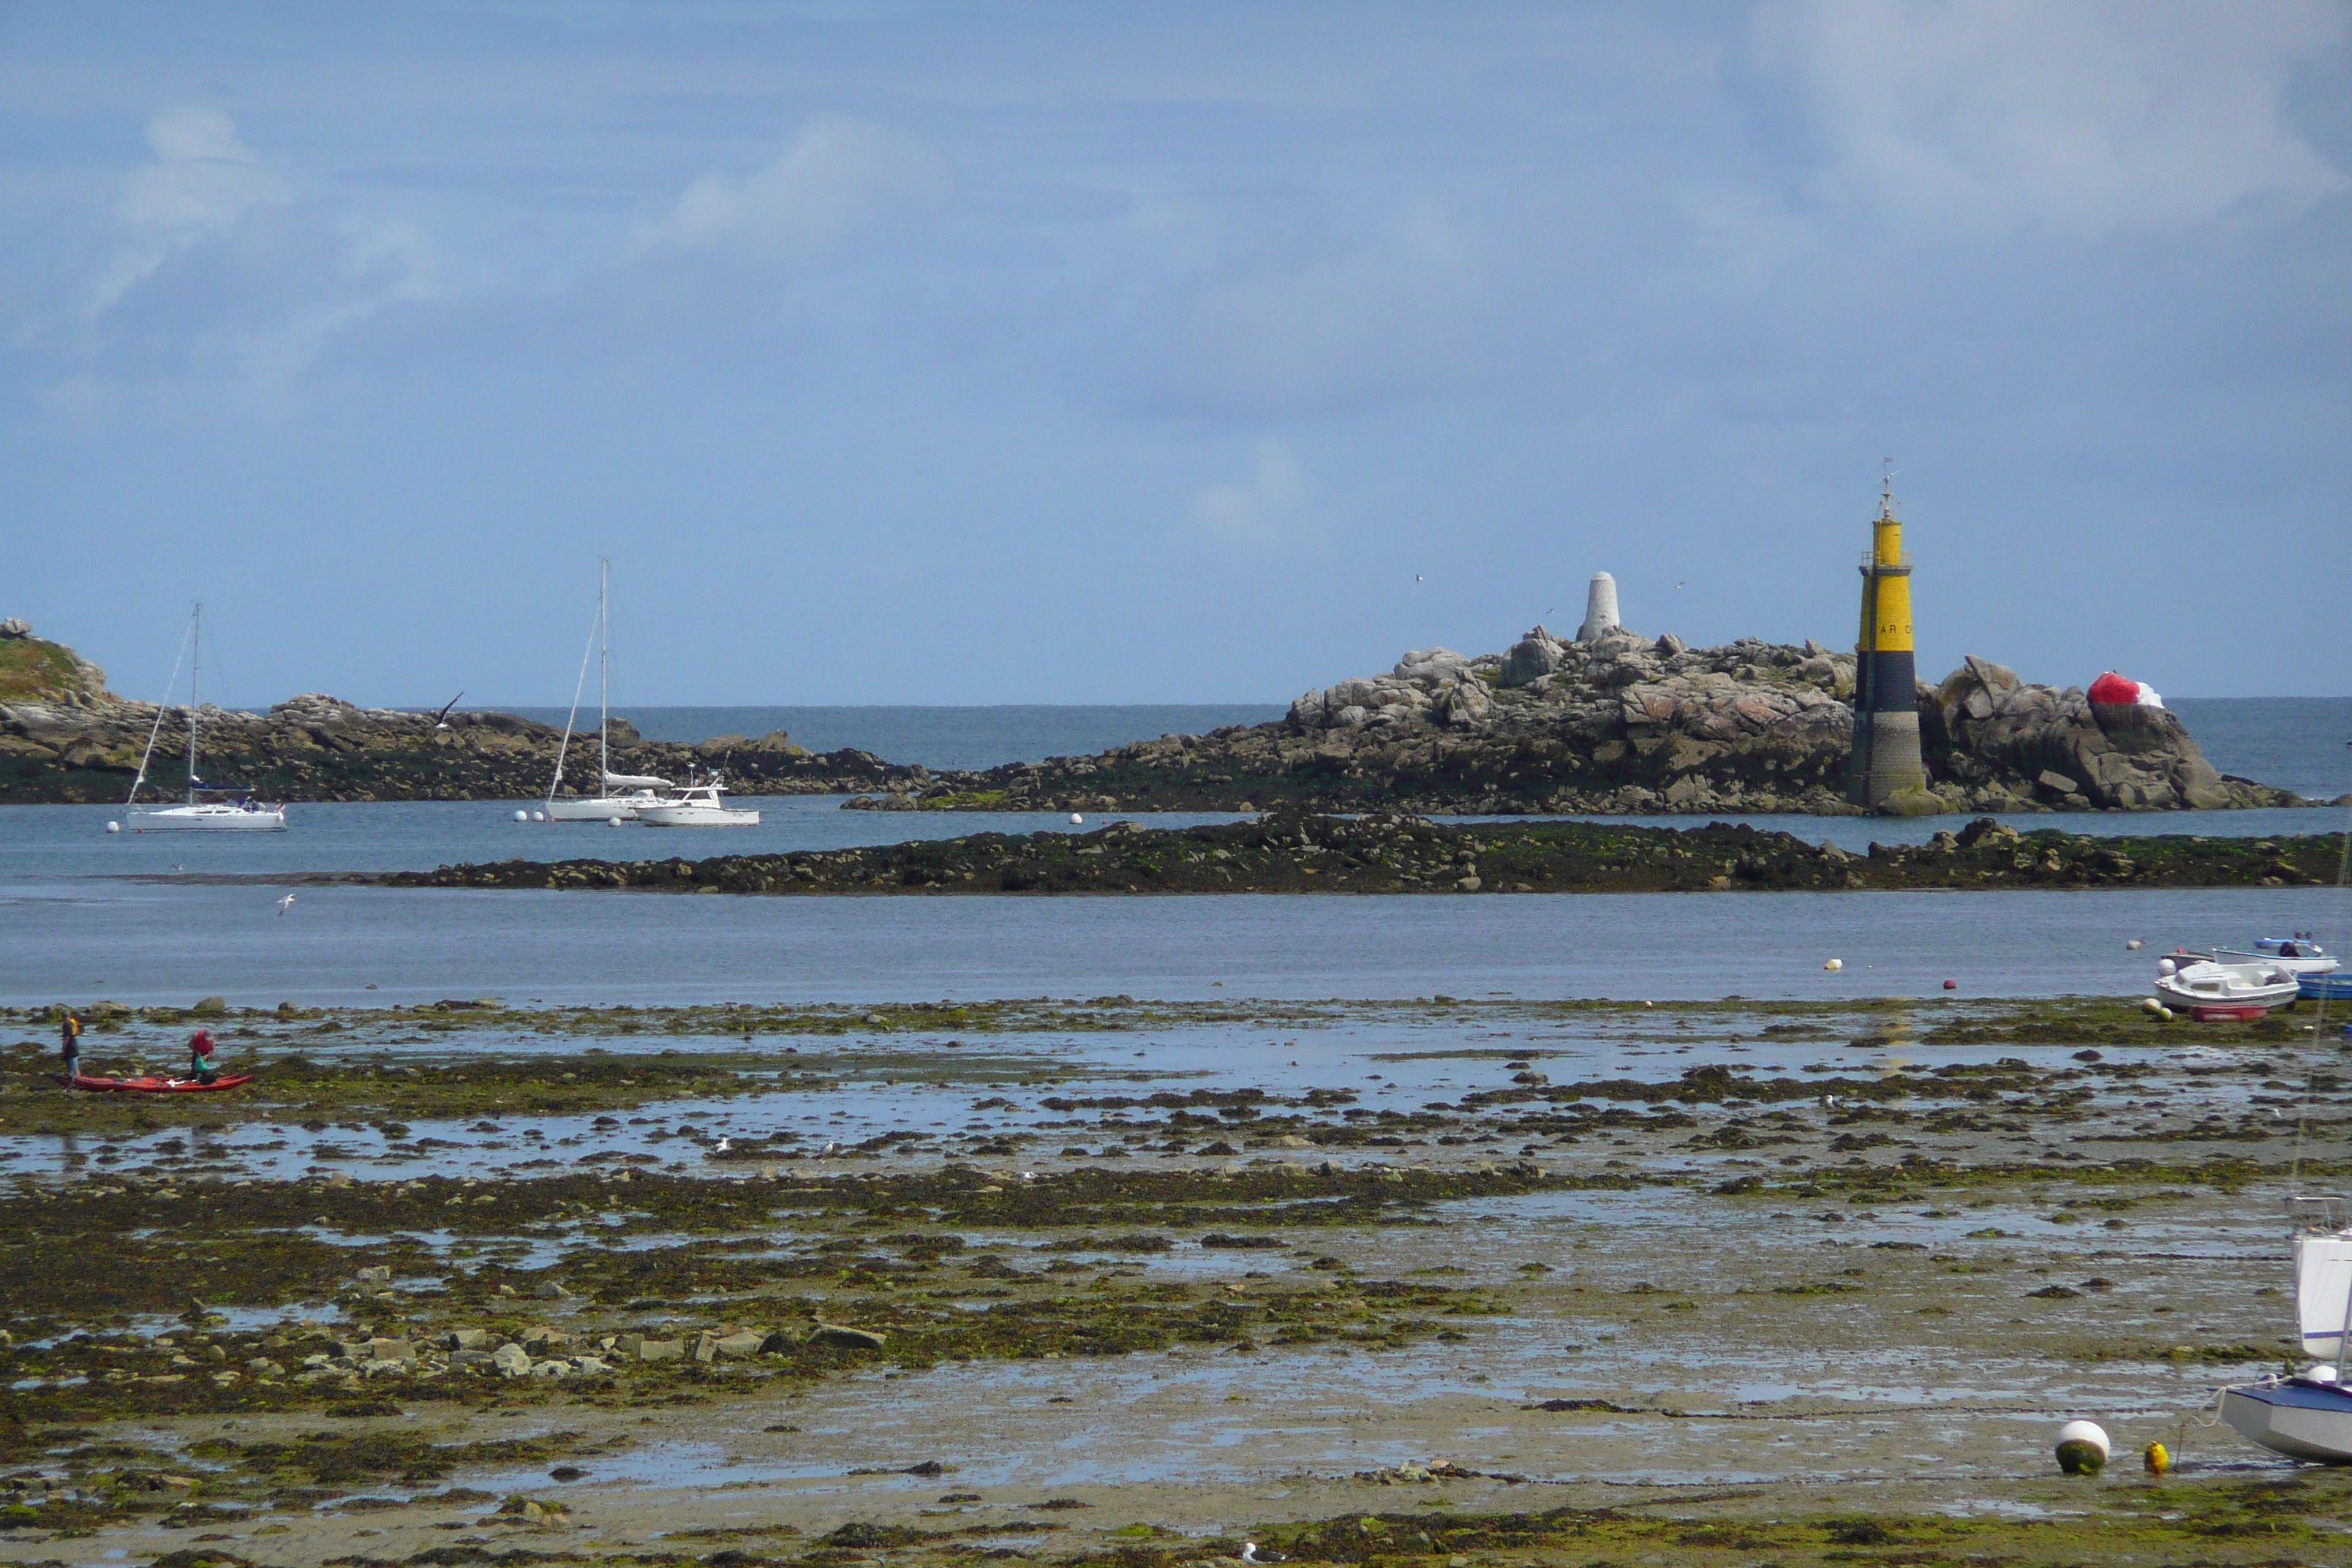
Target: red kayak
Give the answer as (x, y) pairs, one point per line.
(153, 1085)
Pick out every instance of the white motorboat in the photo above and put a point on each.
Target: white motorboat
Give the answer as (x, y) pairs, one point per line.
(696, 805)
(619, 796)
(2194, 981)
(2307, 1416)
(208, 807)
(2299, 954)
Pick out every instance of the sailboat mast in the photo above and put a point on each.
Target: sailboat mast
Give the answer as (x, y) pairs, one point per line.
(195, 668)
(603, 675)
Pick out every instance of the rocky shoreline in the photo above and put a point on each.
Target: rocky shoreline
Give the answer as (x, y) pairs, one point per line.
(1625, 725)
(65, 738)
(1288, 852)
(1622, 724)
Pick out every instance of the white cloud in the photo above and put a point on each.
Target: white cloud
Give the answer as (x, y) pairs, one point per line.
(203, 180)
(2086, 117)
(836, 177)
(1274, 507)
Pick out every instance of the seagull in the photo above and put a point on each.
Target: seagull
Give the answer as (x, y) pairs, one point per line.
(1251, 1554)
(1682, 585)
(1829, 1102)
(830, 1146)
(724, 1144)
(1416, 576)
(441, 720)
(285, 903)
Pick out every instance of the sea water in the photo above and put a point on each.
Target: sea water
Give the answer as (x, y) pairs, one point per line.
(141, 943)
(150, 918)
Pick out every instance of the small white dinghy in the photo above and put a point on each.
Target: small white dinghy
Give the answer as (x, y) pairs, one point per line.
(696, 805)
(2307, 1416)
(2246, 986)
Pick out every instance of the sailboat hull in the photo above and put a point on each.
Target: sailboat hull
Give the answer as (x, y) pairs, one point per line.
(601, 808)
(2294, 1416)
(209, 819)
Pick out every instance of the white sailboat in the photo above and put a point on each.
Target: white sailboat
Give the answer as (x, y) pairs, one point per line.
(618, 796)
(697, 806)
(2307, 1416)
(231, 808)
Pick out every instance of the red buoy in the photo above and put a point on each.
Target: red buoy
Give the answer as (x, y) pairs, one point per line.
(1951, 986)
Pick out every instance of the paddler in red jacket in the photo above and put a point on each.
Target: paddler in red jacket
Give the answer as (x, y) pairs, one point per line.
(201, 1065)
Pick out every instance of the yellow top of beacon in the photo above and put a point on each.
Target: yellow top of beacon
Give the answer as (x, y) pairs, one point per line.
(1886, 591)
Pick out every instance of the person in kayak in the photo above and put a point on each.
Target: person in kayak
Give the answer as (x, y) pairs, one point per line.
(70, 1048)
(203, 1065)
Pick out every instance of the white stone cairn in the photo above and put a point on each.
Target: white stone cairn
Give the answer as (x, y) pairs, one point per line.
(1600, 609)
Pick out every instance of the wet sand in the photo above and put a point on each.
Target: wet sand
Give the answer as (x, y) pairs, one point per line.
(1511, 1282)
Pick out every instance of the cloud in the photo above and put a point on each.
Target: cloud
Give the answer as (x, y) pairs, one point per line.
(2087, 117)
(834, 178)
(203, 182)
(1274, 507)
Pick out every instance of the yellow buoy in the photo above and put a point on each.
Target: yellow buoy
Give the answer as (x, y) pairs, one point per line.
(1834, 964)
(2157, 1459)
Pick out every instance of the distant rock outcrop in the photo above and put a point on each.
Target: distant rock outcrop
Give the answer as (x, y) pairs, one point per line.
(1623, 723)
(65, 737)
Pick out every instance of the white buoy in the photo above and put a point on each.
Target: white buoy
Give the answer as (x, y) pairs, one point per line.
(2134, 946)
(1834, 963)
(2082, 1448)
(611, 822)
(539, 817)
(1600, 609)
(522, 816)
(2166, 966)
(114, 828)
(2321, 1372)
(1076, 819)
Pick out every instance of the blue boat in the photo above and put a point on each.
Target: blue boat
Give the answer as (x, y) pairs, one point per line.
(2336, 988)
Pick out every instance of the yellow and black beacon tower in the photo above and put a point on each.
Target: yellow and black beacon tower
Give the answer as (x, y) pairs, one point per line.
(1885, 761)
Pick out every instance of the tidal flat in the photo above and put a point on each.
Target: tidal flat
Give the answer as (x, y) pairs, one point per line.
(1129, 1281)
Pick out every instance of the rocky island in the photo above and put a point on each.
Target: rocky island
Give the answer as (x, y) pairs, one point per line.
(1613, 723)
(1622, 723)
(65, 737)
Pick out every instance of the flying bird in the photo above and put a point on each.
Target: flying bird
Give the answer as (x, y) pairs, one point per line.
(285, 903)
(724, 1144)
(1416, 576)
(441, 720)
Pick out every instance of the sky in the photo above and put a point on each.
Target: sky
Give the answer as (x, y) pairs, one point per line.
(908, 351)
